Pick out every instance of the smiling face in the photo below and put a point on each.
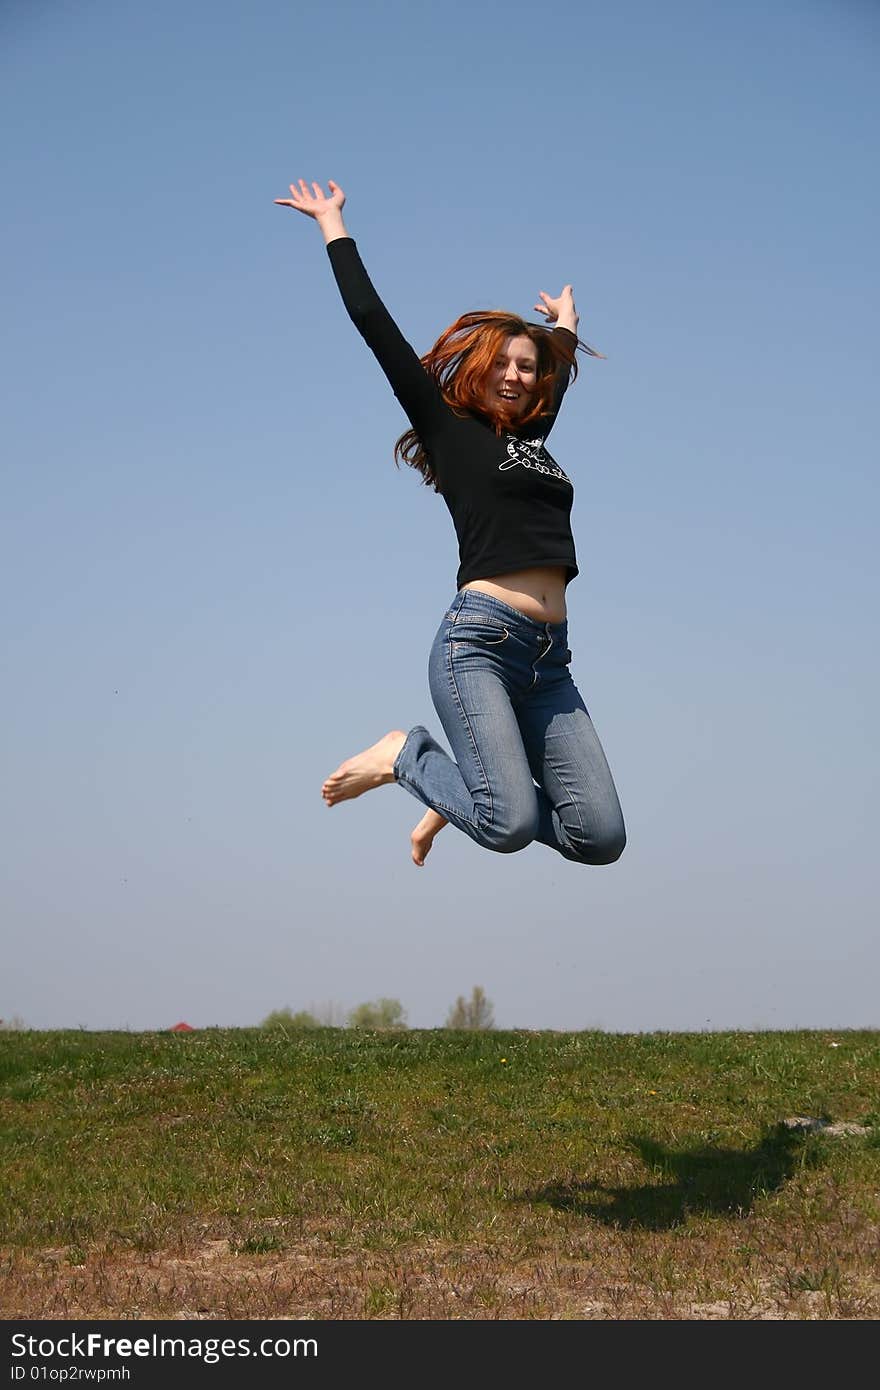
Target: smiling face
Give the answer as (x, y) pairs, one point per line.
(513, 375)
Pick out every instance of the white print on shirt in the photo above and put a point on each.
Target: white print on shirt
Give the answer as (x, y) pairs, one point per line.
(531, 454)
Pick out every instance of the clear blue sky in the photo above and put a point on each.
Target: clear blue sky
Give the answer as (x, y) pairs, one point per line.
(216, 585)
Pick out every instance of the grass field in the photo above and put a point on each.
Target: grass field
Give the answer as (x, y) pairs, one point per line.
(343, 1174)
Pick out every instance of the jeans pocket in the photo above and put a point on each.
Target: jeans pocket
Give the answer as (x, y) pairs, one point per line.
(478, 632)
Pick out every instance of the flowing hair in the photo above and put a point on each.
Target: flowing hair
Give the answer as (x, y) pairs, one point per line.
(460, 362)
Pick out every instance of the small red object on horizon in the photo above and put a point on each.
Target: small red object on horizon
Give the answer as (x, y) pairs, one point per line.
(182, 1028)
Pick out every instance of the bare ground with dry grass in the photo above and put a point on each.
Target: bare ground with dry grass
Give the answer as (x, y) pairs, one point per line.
(754, 1271)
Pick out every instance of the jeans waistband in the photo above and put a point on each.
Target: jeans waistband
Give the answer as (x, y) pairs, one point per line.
(475, 601)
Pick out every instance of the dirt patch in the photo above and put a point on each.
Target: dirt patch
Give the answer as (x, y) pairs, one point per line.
(311, 1279)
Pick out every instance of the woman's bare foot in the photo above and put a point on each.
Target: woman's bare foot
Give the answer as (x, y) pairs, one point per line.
(372, 768)
(422, 837)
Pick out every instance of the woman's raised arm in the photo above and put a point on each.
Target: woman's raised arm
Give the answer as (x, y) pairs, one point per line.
(417, 392)
(560, 313)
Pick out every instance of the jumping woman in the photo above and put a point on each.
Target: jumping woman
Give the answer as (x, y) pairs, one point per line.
(527, 764)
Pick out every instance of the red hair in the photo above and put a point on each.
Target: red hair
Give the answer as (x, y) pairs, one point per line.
(460, 362)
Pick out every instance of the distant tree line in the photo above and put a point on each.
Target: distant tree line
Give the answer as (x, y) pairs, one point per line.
(385, 1015)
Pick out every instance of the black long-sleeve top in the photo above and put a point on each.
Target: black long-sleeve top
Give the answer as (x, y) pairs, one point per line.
(509, 500)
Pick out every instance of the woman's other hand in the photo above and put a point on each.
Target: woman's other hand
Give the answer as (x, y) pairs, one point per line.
(559, 311)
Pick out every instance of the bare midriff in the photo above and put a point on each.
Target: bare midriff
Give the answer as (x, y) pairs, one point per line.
(539, 593)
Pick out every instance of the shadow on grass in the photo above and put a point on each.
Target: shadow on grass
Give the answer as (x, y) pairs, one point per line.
(722, 1182)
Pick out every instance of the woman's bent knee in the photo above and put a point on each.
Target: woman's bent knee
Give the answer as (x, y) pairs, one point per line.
(605, 848)
(612, 847)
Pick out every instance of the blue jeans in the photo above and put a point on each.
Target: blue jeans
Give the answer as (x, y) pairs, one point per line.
(527, 763)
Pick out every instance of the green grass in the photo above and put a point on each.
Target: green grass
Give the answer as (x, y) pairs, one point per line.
(438, 1174)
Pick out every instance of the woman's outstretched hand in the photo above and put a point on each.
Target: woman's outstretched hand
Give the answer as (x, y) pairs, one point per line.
(325, 208)
(317, 203)
(559, 312)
